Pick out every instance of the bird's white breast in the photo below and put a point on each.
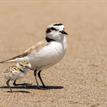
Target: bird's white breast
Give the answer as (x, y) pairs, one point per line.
(49, 55)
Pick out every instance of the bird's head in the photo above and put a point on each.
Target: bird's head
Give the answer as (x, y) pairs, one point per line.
(55, 32)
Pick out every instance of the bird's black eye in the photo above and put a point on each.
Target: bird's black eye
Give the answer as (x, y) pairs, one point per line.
(50, 29)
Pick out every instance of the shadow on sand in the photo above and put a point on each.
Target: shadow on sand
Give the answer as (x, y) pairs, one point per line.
(31, 87)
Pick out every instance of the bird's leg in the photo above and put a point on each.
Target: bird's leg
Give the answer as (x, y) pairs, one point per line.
(7, 82)
(35, 73)
(39, 75)
(22, 84)
(14, 83)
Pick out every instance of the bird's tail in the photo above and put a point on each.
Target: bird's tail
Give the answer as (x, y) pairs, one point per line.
(13, 60)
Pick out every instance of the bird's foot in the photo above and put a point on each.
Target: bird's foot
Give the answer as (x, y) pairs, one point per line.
(44, 86)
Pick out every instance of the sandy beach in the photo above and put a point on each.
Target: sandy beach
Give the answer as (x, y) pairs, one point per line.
(80, 79)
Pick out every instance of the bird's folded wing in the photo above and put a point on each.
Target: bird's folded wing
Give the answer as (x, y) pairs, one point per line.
(34, 48)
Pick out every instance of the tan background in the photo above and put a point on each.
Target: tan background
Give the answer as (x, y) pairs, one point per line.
(83, 71)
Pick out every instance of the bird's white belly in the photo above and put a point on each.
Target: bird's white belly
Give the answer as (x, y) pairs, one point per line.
(47, 56)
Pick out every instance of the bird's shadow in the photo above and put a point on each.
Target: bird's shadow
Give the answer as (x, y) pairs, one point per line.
(30, 87)
(18, 91)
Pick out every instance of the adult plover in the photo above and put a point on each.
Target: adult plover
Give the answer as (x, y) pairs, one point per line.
(47, 52)
(17, 71)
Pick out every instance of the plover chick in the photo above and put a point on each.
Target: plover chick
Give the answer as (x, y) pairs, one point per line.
(17, 71)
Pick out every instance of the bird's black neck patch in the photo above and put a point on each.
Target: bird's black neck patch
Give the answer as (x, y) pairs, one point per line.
(49, 39)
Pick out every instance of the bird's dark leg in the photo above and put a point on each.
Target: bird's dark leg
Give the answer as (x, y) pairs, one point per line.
(39, 75)
(7, 82)
(35, 75)
(22, 84)
(14, 83)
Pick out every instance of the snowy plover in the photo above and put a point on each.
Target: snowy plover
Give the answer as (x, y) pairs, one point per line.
(46, 53)
(17, 71)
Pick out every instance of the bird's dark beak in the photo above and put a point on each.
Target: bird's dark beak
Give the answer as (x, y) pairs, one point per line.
(63, 32)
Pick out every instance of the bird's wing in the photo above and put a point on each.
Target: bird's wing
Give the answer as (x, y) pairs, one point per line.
(33, 49)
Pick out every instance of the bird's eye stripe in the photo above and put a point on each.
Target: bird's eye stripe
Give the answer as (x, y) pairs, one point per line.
(50, 29)
(58, 24)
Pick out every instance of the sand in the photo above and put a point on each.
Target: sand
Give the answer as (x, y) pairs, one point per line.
(80, 79)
